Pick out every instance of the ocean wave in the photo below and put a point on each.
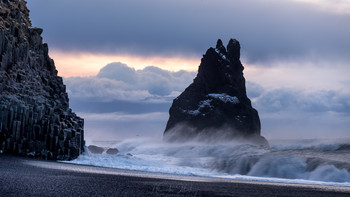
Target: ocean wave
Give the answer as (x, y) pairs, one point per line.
(322, 162)
(314, 145)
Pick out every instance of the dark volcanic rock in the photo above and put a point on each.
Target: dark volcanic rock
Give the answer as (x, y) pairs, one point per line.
(35, 118)
(215, 105)
(112, 151)
(95, 149)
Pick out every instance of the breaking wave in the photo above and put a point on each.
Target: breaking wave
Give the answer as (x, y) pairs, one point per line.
(307, 161)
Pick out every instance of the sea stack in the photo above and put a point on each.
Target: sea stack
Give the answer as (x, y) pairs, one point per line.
(35, 118)
(215, 106)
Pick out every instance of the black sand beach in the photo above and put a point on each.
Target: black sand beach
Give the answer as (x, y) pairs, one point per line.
(29, 177)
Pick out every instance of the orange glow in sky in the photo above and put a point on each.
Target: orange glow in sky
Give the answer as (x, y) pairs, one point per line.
(281, 74)
(71, 64)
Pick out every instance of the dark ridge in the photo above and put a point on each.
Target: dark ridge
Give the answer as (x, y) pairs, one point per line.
(35, 118)
(215, 105)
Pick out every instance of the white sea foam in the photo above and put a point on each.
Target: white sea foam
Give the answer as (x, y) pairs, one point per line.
(232, 161)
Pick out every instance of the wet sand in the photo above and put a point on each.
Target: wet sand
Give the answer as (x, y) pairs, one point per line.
(28, 177)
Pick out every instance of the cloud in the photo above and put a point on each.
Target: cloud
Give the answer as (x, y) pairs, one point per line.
(153, 79)
(299, 98)
(118, 82)
(118, 72)
(103, 89)
(74, 64)
(119, 95)
(309, 102)
(296, 113)
(131, 106)
(267, 29)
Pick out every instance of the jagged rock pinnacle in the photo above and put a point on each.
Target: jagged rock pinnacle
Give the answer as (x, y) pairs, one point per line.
(215, 105)
(233, 49)
(220, 47)
(219, 44)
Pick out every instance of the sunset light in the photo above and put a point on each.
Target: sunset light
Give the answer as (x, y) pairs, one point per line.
(74, 64)
(175, 98)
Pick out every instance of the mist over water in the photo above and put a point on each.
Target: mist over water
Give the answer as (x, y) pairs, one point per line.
(303, 161)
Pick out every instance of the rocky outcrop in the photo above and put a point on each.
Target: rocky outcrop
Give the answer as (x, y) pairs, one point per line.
(215, 106)
(95, 149)
(35, 118)
(112, 151)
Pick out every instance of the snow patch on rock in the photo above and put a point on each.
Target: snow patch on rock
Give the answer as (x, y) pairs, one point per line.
(222, 55)
(225, 98)
(202, 104)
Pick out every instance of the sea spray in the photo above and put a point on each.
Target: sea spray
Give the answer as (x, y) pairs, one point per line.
(311, 162)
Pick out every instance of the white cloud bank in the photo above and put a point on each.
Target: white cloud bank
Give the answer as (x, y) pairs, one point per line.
(123, 102)
(117, 81)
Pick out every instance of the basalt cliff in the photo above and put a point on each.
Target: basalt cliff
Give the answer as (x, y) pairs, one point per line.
(215, 106)
(35, 118)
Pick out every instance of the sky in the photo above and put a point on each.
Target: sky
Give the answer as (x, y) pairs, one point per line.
(124, 61)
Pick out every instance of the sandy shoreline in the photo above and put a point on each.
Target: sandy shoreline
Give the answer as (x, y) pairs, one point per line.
(28, 177)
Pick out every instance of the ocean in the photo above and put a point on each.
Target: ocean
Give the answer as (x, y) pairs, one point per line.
(321, 162)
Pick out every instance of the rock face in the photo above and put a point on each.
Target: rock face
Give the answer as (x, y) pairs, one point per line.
(95, 149)
(112, 151)
(35, 118)
(215, 105)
